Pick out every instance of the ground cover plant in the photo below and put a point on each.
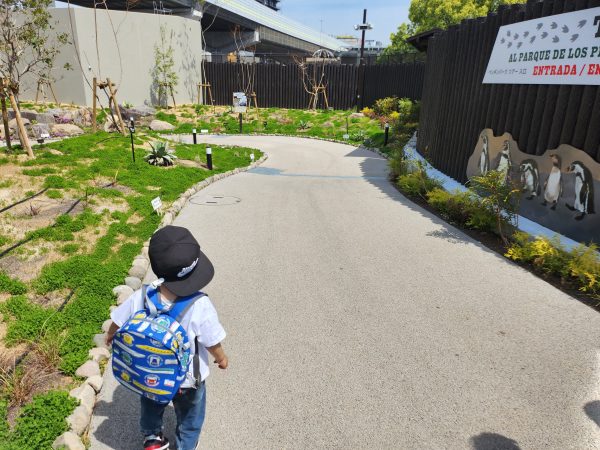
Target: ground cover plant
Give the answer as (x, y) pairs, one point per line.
(366, 127)
(489, 207)
(56, 285)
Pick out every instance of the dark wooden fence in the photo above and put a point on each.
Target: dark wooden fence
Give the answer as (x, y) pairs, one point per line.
(456, 106)
(281, 85)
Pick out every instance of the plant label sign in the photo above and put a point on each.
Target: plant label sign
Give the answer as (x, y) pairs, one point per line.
(156, 203)
(240, 102)
(203, 131)
(559, 49)
(346, 136)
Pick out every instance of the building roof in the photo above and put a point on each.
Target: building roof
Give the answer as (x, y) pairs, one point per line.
(262, 15)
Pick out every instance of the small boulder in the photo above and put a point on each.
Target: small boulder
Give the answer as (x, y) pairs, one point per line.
(88, 369)
(110, 126)
(99, 340)
(82, 117)
(160, 125)
(141, 262)
(95, 382)
(40, 129)
(29, 115)
(79, 420)
(137, 112)
(99, 354)
(45, 118)
(356, 115)
(133, 282)
(68, 441)
(138, 272)
(106, 325)
(86, 395)
(66, 129)
(167, 219)
(12, 124)
(122, 289)
(122, 298)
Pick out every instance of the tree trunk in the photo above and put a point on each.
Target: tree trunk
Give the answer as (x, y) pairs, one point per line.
(5, 118)
(22, 132)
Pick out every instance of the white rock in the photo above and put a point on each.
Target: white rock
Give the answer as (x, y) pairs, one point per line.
(122, 298)
(167, 219)
(86, 395)
(142, 262)
(68, 441)
(79, 420)
(99, 341)
(65, 129)
(141, 256)
(122, 289)
(145, 251)
(95, 382)
(159, 125)
(112, 308)
(137, 272)
(106, 325)
(88, 369)
(99, 354)
(133, 282)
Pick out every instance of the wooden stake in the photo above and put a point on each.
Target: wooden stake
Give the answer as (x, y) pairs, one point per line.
(5, 114)
(113, 97)
(173, 97)
(206, 89)
(22, 132)
(95, 96)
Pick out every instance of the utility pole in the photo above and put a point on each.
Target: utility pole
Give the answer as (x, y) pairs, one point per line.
(360, 88)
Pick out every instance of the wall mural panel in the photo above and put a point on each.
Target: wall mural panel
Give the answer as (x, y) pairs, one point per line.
(561, 188)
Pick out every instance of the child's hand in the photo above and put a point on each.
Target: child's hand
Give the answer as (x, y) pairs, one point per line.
(223, 363)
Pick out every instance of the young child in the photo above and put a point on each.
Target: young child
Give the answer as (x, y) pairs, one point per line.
(182, 270)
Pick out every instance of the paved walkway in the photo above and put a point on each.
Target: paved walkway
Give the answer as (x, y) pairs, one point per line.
(358, 320)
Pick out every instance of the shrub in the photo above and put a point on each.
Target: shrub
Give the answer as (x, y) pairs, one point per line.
(160, 155)
(545, 254)
(463, 208)
(405, 107)
(385, 106)
(53, 193)
(584, 266)
(368, 112)
(417, 182)
(500, 197)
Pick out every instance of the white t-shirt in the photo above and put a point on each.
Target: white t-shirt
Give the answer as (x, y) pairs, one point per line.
(200, 321)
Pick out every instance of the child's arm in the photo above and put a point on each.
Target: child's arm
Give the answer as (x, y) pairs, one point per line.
(111, 333)
(218, 353)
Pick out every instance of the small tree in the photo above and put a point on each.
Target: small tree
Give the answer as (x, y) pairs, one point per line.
(28, 45)
(163, 72)
(500, 196)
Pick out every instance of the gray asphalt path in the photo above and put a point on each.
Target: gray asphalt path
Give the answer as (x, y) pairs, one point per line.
(358, 320)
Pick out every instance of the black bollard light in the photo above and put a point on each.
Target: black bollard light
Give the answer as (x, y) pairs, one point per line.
(131, 131)
(194, 136)
(387, 134)
(209, 158)
(240, 123)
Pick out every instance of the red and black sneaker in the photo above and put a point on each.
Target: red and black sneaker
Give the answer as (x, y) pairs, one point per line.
(156, 442)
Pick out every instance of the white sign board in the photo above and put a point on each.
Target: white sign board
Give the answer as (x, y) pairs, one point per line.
(240, 102)
(559, 49)
(156, 203)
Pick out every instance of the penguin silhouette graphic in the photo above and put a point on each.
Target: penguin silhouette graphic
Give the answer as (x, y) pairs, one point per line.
(530, 178)
(553, 185)
(504, 163)
(484, 158)
(584, 190)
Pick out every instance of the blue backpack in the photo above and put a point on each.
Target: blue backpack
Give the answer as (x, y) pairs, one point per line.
(151, 351)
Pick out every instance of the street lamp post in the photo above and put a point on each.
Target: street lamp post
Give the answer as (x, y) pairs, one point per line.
(360, 90)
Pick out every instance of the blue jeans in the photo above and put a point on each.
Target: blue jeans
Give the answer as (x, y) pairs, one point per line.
(190, 407)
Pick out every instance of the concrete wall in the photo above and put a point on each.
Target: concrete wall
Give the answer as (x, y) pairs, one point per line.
(125, 54)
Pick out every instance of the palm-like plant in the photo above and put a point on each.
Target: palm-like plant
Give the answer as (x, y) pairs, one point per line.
(160, 155)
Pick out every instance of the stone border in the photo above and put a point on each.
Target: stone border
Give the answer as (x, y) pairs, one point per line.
(87, 393)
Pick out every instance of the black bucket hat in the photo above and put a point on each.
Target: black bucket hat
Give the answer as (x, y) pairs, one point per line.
(176, 257)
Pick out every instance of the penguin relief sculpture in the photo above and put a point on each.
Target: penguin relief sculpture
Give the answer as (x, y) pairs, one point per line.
(584, 190)
(557, 187)
(553, 184)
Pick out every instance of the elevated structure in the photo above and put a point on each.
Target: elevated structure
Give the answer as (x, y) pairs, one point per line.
(259, 27)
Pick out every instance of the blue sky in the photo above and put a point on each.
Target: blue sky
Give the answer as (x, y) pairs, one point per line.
(339, 17)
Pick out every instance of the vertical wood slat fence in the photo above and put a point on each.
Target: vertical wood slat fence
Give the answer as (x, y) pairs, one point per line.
(281, 86)
(456, 106)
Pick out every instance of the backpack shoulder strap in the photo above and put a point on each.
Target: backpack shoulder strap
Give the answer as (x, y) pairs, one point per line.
(148, 302)
(182, 306)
